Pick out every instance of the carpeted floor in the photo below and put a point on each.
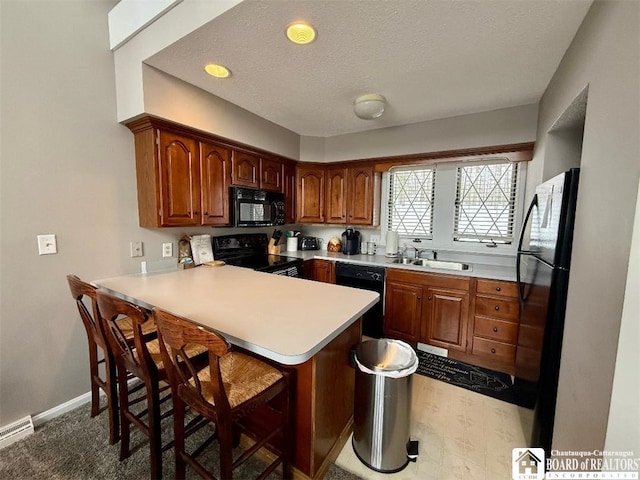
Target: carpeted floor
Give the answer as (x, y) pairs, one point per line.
(75, 447)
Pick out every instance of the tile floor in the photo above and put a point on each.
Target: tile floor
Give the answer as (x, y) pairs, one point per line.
(463, 435)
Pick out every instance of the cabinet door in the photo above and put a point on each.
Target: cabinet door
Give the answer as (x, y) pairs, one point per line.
(324, 271)
(289, 193)
(360, 196)
(271, 175)
(403, 308)
(310, 194)
(336, 197)
(445, 319)
(179, 180)
(215, 178)
(246, 169)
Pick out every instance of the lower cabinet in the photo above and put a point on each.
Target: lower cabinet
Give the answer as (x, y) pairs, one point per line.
(403, 311)
(319, 270)
(476, 320)
(446, 315)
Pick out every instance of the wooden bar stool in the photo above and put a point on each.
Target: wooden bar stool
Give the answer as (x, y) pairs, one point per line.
(141, 358)
(232, 385)
(95, 337)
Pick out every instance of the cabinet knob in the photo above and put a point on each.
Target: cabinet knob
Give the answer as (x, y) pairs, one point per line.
(498, 289)
(493, 350)
(206, 213)
(429, 297)
(497, 308)
(418, 298)
(495, 329)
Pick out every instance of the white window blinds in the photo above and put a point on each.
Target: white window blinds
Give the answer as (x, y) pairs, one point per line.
(410, 209)
(485, 202)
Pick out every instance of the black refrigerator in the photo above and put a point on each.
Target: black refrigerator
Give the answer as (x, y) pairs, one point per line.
(543, 261)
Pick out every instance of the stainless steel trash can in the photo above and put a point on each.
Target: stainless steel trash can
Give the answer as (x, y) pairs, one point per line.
(382, 409)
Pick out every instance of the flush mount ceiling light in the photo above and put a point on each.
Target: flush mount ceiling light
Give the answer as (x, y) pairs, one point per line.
(369, 106)
(218, 71)
(301, 33)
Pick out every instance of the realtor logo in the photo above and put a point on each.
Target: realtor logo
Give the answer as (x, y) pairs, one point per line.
(528, 464)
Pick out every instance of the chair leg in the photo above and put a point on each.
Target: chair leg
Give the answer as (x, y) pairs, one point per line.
(287, 437)
(225, 437)
(112, 400)
(155, 438)
(123, 406)
(178, 428)
(93, 368)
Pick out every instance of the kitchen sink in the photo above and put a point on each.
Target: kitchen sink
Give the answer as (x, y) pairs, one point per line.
(403, 261)
(442, 264)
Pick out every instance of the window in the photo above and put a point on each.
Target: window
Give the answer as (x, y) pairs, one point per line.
(485, 202)
(456, 206)
(410, 204)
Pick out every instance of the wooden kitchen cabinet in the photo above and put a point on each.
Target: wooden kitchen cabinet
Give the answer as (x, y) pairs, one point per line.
(349, 195)
(168, 178)
(289, 191)
(426, 307)
(336, 195)
(271, 175)
(215, 175)
(360, 195)
(310, 194)
(494, 325)
(324, 271)
(445, 318)
(246, 169)
(403, 311)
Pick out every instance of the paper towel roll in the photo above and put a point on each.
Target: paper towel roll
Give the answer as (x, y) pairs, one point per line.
(392, 244)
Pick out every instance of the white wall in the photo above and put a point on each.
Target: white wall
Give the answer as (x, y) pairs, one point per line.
(497, 127)
(603, 56)
(623, 429)
(168, 97)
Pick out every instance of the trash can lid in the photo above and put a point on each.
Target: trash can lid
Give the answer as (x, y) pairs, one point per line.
(386, 355)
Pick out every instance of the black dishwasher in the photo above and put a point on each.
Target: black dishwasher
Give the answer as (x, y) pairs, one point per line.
(367, 278)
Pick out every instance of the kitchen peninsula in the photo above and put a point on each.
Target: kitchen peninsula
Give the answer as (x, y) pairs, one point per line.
(309, 326)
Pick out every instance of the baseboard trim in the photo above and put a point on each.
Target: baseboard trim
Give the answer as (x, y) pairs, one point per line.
(44, 417)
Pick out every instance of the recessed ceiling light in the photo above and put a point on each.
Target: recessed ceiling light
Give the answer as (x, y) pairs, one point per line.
(218, 71)
(301, 33)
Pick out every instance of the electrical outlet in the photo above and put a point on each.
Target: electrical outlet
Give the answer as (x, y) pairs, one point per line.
(47, 244)
(167, 250)
(375, 239)
(136, 249)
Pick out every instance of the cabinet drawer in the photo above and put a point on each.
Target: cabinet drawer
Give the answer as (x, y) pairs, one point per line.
(497, 287)
(497, 307)
(500, 352)
(502, 331)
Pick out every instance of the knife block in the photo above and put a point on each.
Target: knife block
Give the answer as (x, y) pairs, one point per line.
(273, 249)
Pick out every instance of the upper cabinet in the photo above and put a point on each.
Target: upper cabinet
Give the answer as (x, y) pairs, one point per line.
(360, 193)
(348, 196)
(336, 195)
(246, 169)
(310, 194)
(215, 175)
(289, 191)
(271, 175)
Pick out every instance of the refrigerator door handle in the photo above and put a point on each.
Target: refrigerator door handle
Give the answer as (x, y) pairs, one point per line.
(519, 284)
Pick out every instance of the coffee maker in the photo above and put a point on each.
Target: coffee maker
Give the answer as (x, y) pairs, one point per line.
(350, 241)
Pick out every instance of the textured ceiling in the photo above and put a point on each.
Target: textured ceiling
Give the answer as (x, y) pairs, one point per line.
(430, 59)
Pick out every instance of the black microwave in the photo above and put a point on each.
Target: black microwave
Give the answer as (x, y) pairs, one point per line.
(256, 208)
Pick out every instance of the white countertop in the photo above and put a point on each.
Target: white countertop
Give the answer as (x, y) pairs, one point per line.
(479, 270)
(281, 318)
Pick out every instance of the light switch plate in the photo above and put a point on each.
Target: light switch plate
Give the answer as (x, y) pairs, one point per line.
(47, 244)
(136, 249)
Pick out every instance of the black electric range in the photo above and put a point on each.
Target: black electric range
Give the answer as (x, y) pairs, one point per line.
(249, 250)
